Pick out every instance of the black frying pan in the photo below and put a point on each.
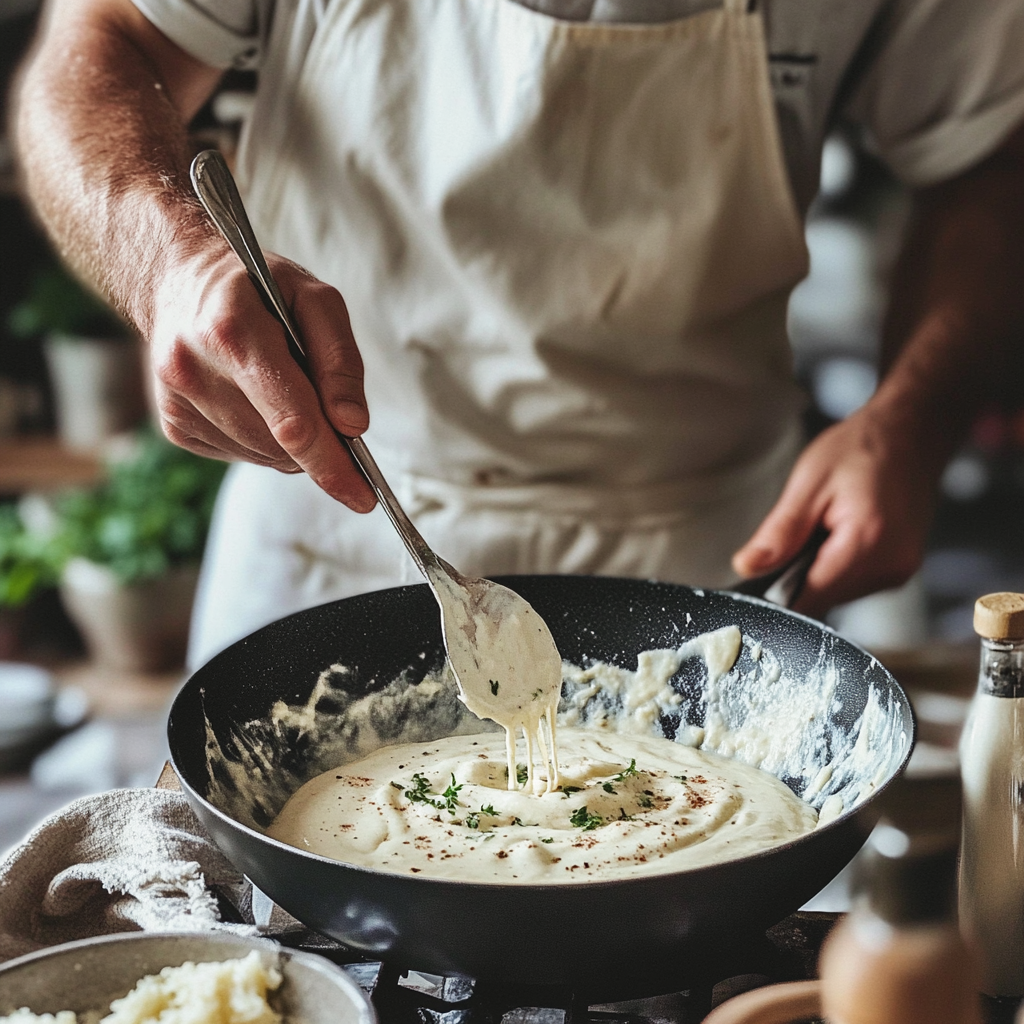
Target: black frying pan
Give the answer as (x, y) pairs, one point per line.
(643, 931)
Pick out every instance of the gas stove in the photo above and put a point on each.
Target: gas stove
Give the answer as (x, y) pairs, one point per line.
(787, 952)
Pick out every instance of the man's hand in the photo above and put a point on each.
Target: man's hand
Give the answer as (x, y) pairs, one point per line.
(101, 117)
(865, 484)
(227, 387)
(950, 344)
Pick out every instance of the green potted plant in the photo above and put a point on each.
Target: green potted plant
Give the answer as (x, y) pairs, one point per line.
(26, 569)
(93, 361)
(129, 553)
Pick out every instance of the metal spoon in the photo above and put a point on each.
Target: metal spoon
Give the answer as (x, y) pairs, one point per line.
(501, 651)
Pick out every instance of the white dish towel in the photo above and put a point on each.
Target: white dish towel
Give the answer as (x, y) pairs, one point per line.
(125, 860)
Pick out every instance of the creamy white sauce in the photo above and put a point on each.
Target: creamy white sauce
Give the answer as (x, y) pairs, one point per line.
(507, 668)
(628, 805)
(793, 726)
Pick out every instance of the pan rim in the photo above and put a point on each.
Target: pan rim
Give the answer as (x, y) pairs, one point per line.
(844, 820)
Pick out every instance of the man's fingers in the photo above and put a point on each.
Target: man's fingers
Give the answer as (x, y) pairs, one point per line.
(291, 409)
(230, 384)
(186, 424)
(334, 359)
(860, 557)
(782, 533)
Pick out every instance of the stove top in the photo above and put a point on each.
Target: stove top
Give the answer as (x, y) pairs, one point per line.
(787, 952)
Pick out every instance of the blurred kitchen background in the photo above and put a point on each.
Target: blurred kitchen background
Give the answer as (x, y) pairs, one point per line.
(94, 587)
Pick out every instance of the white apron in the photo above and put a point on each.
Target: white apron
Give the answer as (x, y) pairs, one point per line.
(567, 249)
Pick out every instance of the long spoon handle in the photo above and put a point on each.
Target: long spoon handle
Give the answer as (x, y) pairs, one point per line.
(218, 193)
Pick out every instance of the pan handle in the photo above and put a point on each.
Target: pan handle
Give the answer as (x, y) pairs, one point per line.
(784, 585)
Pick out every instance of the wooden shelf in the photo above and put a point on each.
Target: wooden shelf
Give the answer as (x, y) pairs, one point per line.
(43, 464)
(114, 693)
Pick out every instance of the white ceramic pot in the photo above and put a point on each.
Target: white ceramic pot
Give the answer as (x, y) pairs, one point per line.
(138, 627)
(97, 387)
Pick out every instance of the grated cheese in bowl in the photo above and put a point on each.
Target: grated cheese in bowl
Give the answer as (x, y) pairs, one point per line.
(217, 992)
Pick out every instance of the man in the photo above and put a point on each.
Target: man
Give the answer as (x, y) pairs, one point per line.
(566, 232)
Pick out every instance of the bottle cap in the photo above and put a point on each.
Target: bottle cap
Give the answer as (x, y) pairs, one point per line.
(999, 616)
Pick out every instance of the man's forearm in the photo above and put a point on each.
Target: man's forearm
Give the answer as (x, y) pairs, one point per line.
(101, 136)
(957, 305)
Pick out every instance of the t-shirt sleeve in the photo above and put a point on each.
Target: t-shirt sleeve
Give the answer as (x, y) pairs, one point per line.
(220, 33)
(944, 87)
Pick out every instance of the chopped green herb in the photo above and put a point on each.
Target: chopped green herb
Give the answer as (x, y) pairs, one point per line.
(623, 816)
(397, 785)
(473, 817)
(609, 788)
(536, 693)
(490, 835)
(566, 790)
(494, 686)
(681, 778)
(451, 795)
(644, 800)
(631, 770)
(547, 839)
(583, 819)
(420, 791)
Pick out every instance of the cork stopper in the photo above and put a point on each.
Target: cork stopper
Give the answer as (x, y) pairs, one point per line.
(999, 616)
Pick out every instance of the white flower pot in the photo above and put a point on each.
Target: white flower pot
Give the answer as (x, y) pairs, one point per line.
(97, 387)
(137, 627)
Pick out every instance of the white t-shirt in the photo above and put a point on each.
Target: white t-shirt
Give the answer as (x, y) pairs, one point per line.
(935, 84)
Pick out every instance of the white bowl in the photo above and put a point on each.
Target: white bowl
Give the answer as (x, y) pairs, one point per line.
(89, 974)
(27, 694)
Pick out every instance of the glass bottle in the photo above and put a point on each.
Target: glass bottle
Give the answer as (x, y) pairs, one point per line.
(992, 772)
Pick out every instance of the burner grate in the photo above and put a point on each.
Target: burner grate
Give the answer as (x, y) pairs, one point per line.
(788, 952)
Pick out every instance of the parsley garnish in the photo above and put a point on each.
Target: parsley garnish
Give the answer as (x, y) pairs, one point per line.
(494, 686)
(583, 819)
(623, 816)
(566, 790)
(631, 770)
(536, 693)
(473, 818)
(549, 839)
(421, 793)
(397, 785)
(644, 800)
(451, 795)
(609, 788)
